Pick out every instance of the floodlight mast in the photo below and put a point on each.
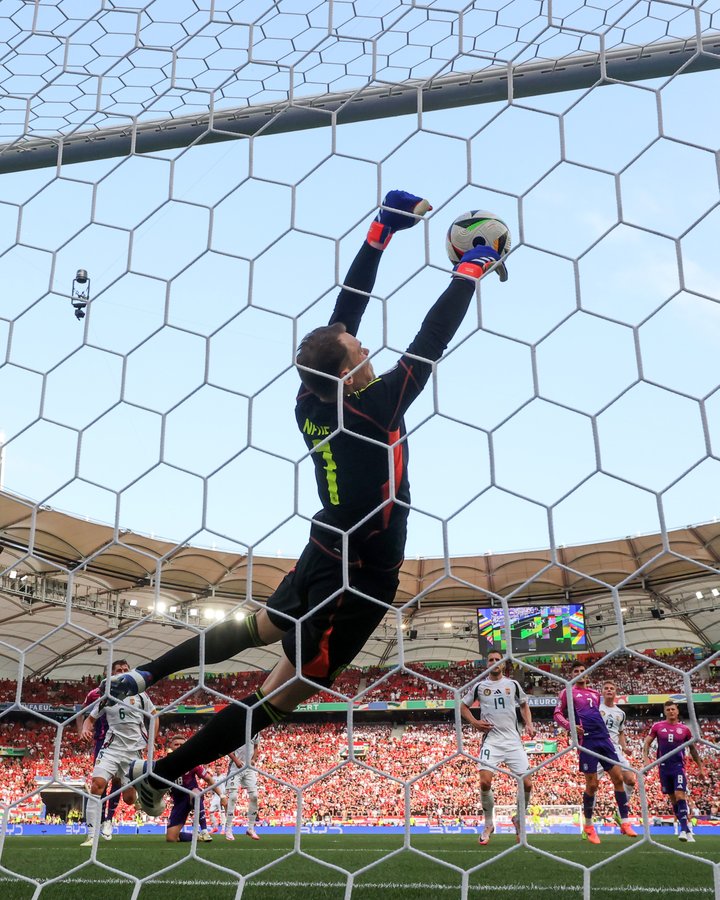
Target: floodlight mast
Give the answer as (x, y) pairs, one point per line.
(445, 92)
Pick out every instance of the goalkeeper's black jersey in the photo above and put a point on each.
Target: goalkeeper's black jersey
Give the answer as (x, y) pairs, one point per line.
(361, 464)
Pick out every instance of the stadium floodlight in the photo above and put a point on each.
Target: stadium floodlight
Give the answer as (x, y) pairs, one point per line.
(80, 293)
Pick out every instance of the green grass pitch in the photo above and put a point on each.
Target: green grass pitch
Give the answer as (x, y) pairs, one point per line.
(313, 873)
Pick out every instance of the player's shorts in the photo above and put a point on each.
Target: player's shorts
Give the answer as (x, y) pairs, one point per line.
(622, 759)
(337, 630)
(589, 763)
(513, 755)
(214, 801)
(97, 747)
(247, 779)
(182, 806)
(112, 762)
(673, 780)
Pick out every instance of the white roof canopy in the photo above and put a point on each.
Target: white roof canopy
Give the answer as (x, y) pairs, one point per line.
(112, 577)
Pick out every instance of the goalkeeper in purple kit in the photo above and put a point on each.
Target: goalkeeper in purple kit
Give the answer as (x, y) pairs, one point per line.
(345, 580)
(594, 738)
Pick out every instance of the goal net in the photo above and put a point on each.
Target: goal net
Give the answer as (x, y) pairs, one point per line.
(183, 186)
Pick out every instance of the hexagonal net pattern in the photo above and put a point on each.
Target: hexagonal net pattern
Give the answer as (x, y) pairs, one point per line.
(183, 187)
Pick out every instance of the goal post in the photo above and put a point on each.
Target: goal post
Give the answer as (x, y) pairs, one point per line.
(496, 83)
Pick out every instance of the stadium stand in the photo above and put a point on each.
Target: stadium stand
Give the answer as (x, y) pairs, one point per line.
(368, 787)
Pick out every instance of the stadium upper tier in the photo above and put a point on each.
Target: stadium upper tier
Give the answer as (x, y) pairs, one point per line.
(71, 588)
(632, 675)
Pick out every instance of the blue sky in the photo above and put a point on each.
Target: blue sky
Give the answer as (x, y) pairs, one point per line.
(581, 396)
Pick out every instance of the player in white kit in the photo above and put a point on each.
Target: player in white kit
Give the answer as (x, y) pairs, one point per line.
(239, 774)
(125, 741)
(492, 707)
(614, 719)
(216, 812)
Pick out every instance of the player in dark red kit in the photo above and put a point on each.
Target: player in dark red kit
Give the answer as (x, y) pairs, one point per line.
(352, 421)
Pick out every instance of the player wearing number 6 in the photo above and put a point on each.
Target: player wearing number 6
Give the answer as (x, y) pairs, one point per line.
(125, 740)
(594, 738)
(492, 707)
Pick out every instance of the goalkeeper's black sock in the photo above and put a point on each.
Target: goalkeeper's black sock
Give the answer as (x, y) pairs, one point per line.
(221, 642)
(224, 733)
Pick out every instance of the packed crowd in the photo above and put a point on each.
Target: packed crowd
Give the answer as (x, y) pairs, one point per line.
(185, 690)
(312, 760)
(637, 675)
(633, 675)
(444, 782)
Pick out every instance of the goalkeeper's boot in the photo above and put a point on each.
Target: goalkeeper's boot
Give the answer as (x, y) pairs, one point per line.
(627, 829)
(128, 684)
(150, 800)
(205, 836)
(516, 825)
(589, 834)
(486, 834)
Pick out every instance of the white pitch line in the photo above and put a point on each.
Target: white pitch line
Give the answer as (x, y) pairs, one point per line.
(383, 885)
(474, 851)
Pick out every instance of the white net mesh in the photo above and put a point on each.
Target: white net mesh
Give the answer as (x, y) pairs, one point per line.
(213, 167)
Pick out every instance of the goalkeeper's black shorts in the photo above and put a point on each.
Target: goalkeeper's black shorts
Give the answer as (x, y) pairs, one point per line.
(334, 624)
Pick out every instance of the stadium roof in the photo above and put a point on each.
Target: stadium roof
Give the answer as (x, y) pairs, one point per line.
(122, 586)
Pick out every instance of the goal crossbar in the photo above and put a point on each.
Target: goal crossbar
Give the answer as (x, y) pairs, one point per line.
(497, 83)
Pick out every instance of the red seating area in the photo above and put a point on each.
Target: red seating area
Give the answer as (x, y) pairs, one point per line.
(646, 675)
(44, 690)
(355, 790)
(310, 756)
(633, 676)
